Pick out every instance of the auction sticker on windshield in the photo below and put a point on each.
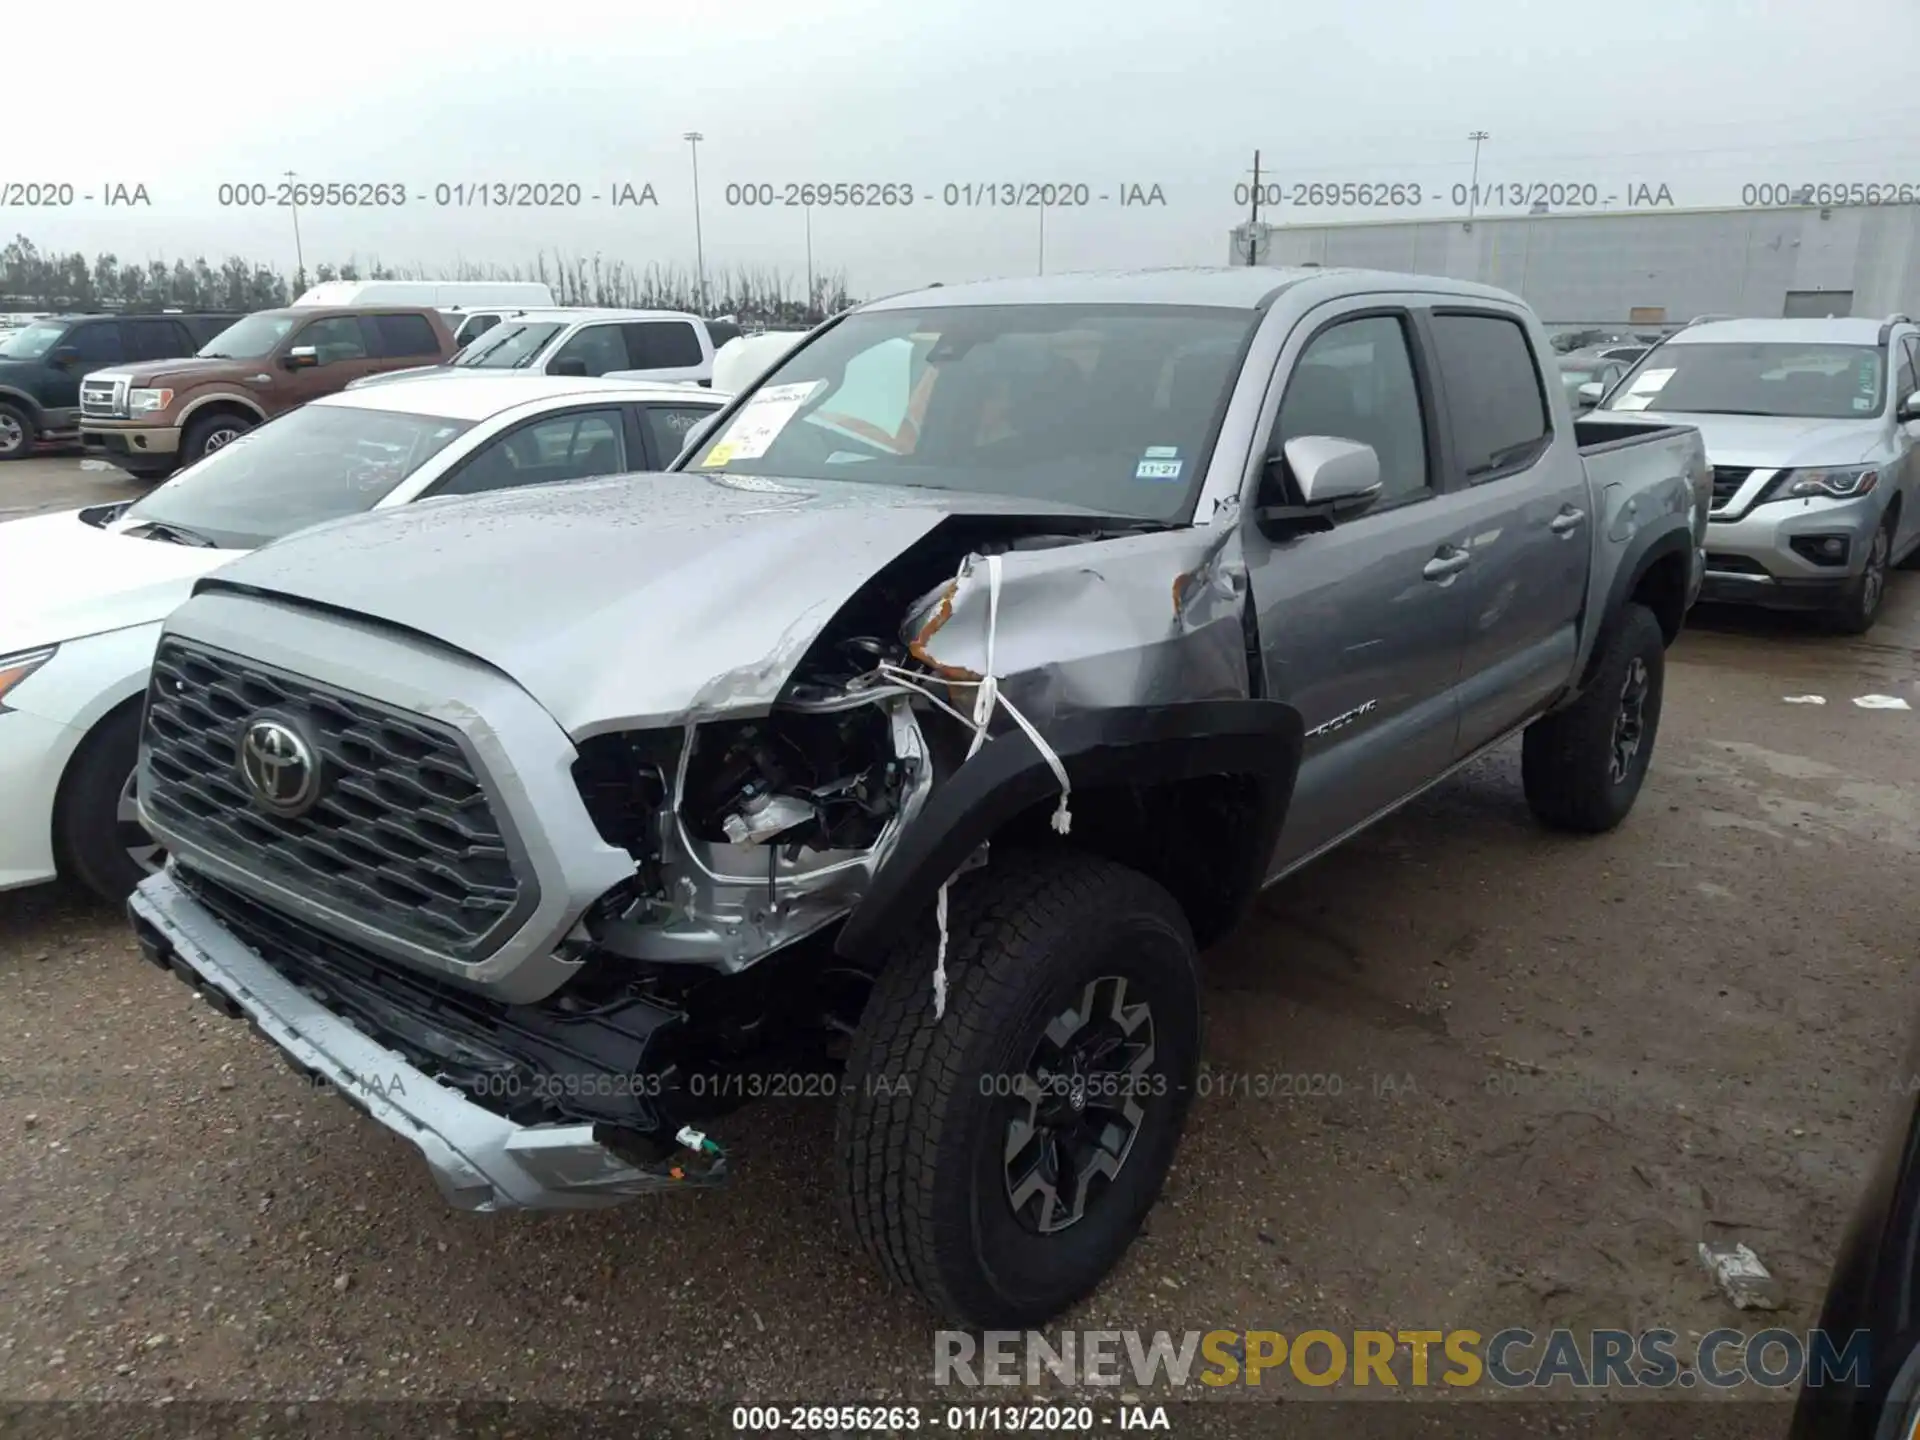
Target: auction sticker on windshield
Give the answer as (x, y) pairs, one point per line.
(762, 418)
(1644, 387)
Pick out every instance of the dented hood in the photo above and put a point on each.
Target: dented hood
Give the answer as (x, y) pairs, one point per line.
(621, 603)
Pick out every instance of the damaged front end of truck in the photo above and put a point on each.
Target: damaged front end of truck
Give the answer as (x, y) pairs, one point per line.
(1012, 679)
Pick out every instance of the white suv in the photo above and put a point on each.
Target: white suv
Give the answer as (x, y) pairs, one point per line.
(634, 344)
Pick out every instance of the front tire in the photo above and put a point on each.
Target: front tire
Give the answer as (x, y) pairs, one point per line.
(97, 834)
(1860, 606)
(17, 433)
(999, 1160)
(209, 433)
(1583, 766)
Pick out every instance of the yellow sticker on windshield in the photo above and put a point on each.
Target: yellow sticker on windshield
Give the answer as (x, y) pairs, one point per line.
(719, 454)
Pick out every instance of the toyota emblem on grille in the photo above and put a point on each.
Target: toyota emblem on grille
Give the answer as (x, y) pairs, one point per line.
(279, 767)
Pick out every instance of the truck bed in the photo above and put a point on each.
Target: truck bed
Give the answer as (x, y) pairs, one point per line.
(1596, 435)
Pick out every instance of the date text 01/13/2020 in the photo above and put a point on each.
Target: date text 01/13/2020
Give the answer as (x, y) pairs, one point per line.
(1412, 194)
(970, 194)
(463, 194)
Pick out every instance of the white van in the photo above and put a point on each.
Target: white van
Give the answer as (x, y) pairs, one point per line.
(443, 295)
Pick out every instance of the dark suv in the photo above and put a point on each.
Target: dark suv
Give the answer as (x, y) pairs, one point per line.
(42, 365)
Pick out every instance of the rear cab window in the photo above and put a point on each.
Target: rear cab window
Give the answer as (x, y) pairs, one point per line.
(98, 342)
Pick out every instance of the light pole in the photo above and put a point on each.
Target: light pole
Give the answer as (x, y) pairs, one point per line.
(693, 139)
(1473, 189)
(1043, 240)
(299, 256)
(809, 213)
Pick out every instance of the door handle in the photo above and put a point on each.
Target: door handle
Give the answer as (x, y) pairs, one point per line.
(1447, 563)
(1567, 521)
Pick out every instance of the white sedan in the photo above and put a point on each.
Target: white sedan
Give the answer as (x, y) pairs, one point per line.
(83, 593)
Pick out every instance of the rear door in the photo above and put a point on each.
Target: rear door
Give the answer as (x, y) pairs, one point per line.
(1524, 493)
(667, 350)
(1361, 626)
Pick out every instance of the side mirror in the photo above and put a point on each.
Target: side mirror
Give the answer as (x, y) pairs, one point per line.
(302, 357)
(568, 365)
(1590, 394)
(1336, 478)
(1910, 408)
(63, 356)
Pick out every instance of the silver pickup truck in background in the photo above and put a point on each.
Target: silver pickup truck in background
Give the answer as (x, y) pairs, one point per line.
(906, 742)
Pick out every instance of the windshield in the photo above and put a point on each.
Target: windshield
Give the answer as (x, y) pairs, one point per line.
(1814, 382)
(507, 346)
(30, 343)
(1110, 408)
(317, 463)
(248, 339)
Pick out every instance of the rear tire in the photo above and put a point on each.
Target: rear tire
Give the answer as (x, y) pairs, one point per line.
(95, 837)
(1000, 1160)
(17, 433)
(1860, 606)
(1583, 766)
(210, 432)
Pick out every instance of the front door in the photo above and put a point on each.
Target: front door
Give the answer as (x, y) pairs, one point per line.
(1361, 626)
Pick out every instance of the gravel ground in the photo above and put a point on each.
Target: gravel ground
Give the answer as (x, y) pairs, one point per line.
(1559, 1064)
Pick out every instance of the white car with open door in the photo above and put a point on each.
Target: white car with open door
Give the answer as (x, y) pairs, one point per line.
(83, 592)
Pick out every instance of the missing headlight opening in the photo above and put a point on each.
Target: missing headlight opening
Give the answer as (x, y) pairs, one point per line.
(749, 835)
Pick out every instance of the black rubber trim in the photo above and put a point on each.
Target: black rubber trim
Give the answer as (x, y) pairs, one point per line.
(1649, 548)
(1136, 745)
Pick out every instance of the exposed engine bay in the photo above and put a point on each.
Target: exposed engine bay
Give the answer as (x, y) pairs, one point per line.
(749, 835)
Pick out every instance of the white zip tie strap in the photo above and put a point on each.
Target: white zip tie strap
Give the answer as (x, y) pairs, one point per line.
(985, 696)
(940, 958)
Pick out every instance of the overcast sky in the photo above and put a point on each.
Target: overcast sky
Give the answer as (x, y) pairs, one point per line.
(1703, 96)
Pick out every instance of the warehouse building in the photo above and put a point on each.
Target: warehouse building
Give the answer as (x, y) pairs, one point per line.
(1645, 268)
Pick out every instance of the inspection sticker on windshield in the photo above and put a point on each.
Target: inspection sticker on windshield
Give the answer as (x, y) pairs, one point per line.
(1161, 462)
(760, 420)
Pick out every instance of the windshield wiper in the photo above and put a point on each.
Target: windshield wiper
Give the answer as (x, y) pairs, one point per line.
(216, 355)
(174, 534)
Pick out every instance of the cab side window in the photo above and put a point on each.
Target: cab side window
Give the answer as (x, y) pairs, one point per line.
(338, 338)
(1495, 401)
(98, 342)
(1355, 381)
(601, 347)
(573, 446)
(155, 340)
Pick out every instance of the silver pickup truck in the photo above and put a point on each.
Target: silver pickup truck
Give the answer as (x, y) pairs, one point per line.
(906, 742)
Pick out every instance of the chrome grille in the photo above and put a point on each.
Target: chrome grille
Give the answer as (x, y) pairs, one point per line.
(402, 836)
(1727, 480)
(103, 399)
